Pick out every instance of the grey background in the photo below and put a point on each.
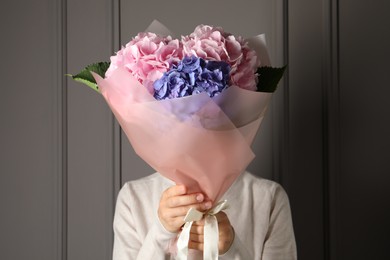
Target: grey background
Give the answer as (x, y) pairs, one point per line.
(325, 139)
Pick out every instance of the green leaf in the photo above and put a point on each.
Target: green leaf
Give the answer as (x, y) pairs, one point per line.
(269, 78)
(85, 76)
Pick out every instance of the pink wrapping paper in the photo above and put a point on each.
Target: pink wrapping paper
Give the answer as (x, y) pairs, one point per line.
(197, 141)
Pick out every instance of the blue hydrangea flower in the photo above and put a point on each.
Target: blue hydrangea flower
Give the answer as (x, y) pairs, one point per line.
(193, 75)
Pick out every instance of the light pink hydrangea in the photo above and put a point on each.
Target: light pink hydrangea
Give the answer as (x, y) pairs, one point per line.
(212, 43)
(147, 57)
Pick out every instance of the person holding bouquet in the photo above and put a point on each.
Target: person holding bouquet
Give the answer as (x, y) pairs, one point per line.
(191, 109)
(150, 212)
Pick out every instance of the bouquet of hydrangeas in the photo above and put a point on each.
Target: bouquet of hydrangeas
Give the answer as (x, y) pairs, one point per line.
(191, 107)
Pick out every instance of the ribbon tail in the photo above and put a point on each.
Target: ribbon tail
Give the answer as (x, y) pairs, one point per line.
(211, 238)
(182, 242)
(211, 233)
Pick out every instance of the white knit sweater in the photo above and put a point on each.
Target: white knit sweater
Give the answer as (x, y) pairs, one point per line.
(259, 212)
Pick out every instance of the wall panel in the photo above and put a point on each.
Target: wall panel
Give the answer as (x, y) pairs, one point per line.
(363, 209)
(30, 151)
(304, 177)
(91, 162)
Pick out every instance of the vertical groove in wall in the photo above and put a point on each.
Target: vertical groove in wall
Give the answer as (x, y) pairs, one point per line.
(284, 154)
(326, 74)
(58, 120)
(326, 98)
(117, 142)
(335, 134)
(277, 115)
(330, 123)
(118, 136)
(116, 130)
(117, 45)
(64, 131)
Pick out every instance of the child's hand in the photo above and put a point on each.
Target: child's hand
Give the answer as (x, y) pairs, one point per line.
(174, 205)
(226, 234)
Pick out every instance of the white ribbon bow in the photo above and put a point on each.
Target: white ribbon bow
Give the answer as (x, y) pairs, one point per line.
(211, 235)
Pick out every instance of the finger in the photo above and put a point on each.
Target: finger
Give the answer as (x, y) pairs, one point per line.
(176, 190)
(196, 237)
(182, 210)
(183, 200)
(197, 229)
(195, 245)
(177, 222)
(168, 213)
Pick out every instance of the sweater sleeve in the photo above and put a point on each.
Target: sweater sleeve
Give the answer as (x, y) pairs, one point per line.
(128, 245)
(280, 241)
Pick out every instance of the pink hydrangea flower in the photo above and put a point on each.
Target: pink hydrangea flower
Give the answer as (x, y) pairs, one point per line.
(212, 43)
(147, 57)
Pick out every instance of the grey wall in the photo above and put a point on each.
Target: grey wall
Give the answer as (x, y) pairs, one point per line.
(325, 138)
(362, 201)
(58, 166)
(30, 133)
